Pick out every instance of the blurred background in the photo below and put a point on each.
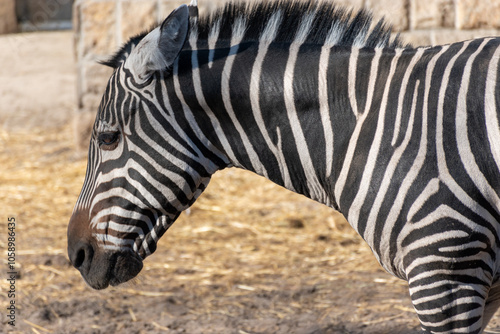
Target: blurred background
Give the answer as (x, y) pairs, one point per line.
(249, 257)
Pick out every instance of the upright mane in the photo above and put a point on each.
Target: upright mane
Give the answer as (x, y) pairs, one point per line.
(329, 22)
(350, 28)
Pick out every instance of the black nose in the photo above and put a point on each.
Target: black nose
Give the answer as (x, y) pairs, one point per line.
(81, 256)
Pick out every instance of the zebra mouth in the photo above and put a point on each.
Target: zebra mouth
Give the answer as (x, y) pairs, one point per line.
(112, 269)
(124, 267)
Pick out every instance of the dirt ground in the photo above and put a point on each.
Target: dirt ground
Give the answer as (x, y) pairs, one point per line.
(249, 257)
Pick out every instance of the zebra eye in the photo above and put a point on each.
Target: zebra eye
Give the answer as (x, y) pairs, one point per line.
(108, 140)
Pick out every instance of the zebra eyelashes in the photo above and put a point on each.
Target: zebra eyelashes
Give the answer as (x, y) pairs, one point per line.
(108, 141)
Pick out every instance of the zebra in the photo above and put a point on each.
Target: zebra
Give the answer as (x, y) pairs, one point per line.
(405, 141)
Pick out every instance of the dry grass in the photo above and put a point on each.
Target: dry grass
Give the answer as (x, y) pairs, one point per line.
(246, 250)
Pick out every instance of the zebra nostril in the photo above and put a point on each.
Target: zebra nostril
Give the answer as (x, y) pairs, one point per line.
(80, 258)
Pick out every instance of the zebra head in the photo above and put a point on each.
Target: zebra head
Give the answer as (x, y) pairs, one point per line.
(143, 168)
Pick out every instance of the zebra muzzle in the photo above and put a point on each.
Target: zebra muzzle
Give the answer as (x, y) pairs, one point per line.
(99, 267)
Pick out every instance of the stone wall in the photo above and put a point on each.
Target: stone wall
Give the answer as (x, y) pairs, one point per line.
(101, 26)
(434, 22)
(34, 15)
(8, 21)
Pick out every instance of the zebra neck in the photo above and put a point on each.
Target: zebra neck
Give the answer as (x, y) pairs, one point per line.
(286, 112)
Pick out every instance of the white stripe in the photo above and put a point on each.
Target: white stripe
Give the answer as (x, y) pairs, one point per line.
(430, 189)
(119, 227)
(91, 185)
(144, 246)
(210, 167)
(444, 173)
(190, 117)
(265, 40)
(432, 239)
(165, 190)
(316, 191)
(369, 234)
(462, 135)
(441, 308)
(118, 211)
(169, 117)
(360, 39)
(425, 299)
(239, 28)
(346, 166)
(462, 316)
(212, 40)
(490, 106)
(366, 179)
(433, 284)
(443, 211)
(165, 223)
(271, 30)
(88, 187)
(430, 276)
(161, 170)
(334, 34)
(351, 81)
(464, 246)
(109, 247)
(106, 239)
(333, 37)
(193, 35)
(208, 111)
(304, 29)
(126, 194)
(397, 125)
(324, 107)
(410, 177)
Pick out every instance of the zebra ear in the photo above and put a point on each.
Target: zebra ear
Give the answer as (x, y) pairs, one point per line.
(159, 49)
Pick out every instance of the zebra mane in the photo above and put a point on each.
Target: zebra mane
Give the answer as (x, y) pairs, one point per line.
(328, 23)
